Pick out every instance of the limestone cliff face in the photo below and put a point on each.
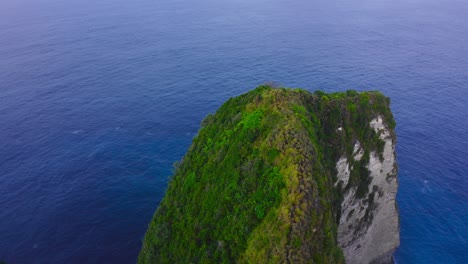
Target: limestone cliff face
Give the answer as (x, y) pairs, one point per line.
(283, 176)
(368, 230)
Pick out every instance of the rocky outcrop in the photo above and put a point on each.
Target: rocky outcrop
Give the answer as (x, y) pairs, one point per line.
(368, 230)
(283, 176)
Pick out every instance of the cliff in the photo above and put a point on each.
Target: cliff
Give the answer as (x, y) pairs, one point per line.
(284, 176)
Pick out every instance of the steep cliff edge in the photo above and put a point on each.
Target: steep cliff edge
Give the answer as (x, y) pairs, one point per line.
(284, 176)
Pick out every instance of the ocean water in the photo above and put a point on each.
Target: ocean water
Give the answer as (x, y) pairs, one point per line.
(99, 98)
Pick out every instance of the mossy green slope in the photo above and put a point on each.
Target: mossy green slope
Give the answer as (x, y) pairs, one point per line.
(256, 185)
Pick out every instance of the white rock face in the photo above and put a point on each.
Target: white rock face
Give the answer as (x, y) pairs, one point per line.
(368, 232)
(342, 167)
(358, 151)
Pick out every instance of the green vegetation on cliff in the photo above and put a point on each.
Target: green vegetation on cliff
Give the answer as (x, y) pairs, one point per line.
(256, 185)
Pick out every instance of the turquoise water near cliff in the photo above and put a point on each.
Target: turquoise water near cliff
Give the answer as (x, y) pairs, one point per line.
(99, 98)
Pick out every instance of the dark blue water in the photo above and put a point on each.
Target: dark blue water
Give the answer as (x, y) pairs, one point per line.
(99, 98)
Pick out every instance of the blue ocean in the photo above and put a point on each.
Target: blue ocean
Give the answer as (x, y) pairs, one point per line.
(99, 98)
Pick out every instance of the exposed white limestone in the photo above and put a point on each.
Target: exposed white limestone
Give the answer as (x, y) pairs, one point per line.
(358, 151)
(369, 231)
(342, 167)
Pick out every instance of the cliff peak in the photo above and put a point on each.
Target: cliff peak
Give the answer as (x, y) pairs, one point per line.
(284, 175)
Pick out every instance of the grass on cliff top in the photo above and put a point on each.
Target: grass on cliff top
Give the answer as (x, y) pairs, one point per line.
(238, 194)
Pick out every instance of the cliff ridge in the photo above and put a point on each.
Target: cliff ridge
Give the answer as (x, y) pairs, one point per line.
(284, 176)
